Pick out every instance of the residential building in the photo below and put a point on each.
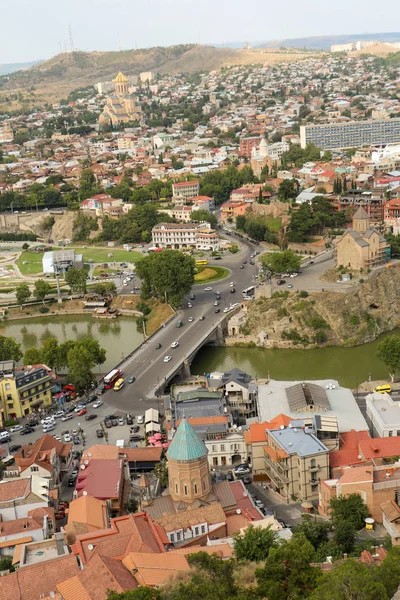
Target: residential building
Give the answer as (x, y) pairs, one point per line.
(240, 395)
(384, 415)
(28, 529)
(351, 134)
(102, 204)
(47, 458)
(185, 189)
(6, 133)
(230, 210)
(186, 525)
(60, 261)
(199, 403)
(361, 247)
(392, 209)
(226, 450)
(295, 461)
(121, 106)
(20, 496)
(202, 203)
(31, 553)
(247, 144)
(23, 390)
(256, 438)
(179, 236)
(372, 201)
(146, 76)
(103, 479)
(86, 514)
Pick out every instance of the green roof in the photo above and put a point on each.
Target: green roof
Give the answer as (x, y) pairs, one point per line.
(185, 445)
(193, 395)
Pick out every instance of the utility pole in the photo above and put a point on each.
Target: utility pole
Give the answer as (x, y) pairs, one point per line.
(58, 286)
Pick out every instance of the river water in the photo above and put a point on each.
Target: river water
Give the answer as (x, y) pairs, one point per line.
(349, 366)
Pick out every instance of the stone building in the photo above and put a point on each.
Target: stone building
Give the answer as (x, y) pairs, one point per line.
(362, 247)
(121, 106)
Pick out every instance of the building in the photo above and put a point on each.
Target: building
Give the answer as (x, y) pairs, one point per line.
(23, 390)
(240, 395)
(6, 133)
(102, 479)
(36, 526)
(47, 458)
(361, 247)
(146, 77)
(60, 261)
(86, 514)
(226, 450)
(256, 438)
(180, 236)
(384, 415)
(203, 203)
(102, 204)
(351, 134)
(185, 189)
(295, 461)
(121, 106)
(20, 496)
(247, 144)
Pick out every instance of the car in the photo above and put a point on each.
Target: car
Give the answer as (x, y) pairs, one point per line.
(15, 447)
(46, 428)
(252, 262)
(241, 266)
(202, 318)
(132, 379)
(217, 257)
(76, 440)
(27, 430)
(140, 419)
(179, 324)
(121, 421)
(293, 275)
(114, 422)
(192, 297)
(289, 285)
(129, 419)
(103, 389)
(190, 305)
(231, 284)
(136, 438)
(218, 293)
(98, 403)
(281, 282)
(218, 297)
(92, 399)
(59, 414)
(76, 455)
(174, 344)
(208, 289)
(259, 503)
(242, 470)
(217, 310)
(216, 303)
(226, 310)
(229, 476)
(79, 407)
(134, 429)
(107, 423)
(67, 417)
(232, 290)
(70, 409)
(71, 482)
(57, 437)
(47, 420)
(245, 262)
(60, 514)
(82, 412)
(67, 438)
(167, 358)
(63, 504)
(74, 432)
(190, 319)
(99, 433)
(90, 417)
(158, 346)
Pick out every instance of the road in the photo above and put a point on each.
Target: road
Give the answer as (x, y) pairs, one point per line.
(147, 364)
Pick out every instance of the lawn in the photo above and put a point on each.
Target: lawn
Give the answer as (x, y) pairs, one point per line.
(100, 255)
(99, 270)
(210, 274)
(33, 260)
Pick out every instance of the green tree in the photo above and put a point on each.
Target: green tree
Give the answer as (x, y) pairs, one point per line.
(76, 279)
(288, 190)
(131, 505)
(41, 289)
(33, 356)
(255, 543)
(161, 472)
(80, 364)
(281, 262)
(389, 571)
(169, 274)
(204, 215)
(344, 535)
(315, 531)
(87, 185)
(9, 349)
(96, 352)
(103, 288)
(22, 293)
(349, 508)
(350, 581)
(301, 224)
(50, 353)
(389, 353)
(6, 564)
(141, 593)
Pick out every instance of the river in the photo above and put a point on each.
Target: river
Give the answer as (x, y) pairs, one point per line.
(349, 366)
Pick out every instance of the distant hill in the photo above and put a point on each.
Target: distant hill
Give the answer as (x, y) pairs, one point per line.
(12, 67)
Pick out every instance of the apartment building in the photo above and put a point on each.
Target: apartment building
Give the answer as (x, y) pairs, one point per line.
(351, 134)
(23, 389)
(295, 461)
(47, 458)
(383, 414)
(101, 204)
(185, 189)
(180, 236)
(240, 395)
(247, 144)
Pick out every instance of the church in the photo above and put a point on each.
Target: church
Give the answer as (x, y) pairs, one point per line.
(362, 247)
(121, 106)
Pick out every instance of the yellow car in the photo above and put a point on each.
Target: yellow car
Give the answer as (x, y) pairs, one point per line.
(119, 384)
(383, 389)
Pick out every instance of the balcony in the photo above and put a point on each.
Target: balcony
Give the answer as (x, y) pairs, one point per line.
(314, 468)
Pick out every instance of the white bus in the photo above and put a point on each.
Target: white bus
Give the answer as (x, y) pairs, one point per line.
(250, 291)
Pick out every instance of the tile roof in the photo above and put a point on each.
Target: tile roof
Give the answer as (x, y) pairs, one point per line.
(155, 570)
(89, 510)
(223, 491)
(359, 474)
(101, 451)
(221, 550)
(380, 447)
(23, 525)
(101, 478)
(243, 501)
(236, 522)
(73, 589)
(186, 445)
(211, 514)
(40, 452)
(257, 431)
(349, 452)
(391, 510)
(142, 454)
(14, 490)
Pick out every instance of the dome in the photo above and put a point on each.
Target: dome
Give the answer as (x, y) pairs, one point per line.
(186, 446)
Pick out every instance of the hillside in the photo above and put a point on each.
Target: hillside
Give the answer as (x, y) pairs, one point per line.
(55, 78)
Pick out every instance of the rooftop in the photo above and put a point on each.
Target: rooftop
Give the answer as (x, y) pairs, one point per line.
(101, 478)
(186, 445)
(384, 408)
(296, 440)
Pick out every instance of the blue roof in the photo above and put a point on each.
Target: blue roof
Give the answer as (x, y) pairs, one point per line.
(186, 445)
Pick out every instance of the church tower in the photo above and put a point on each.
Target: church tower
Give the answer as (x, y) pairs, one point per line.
(361, 221)
(188, 471)
(121, 84)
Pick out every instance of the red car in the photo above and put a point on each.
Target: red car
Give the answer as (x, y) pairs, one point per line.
(59, 515)
(82, 412)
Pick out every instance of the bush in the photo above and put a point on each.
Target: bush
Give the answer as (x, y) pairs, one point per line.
(10, 423)
(354, 320)
(282, 312)
(43, 310)
(320, 337)
(303, 294)
(318, 323)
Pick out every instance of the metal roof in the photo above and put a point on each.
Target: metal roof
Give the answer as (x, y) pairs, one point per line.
(302, 395)
(186, 445)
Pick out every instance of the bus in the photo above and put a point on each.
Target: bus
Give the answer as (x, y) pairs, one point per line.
(119, 384)
(199, 263)
(111, 378)
(249, 292)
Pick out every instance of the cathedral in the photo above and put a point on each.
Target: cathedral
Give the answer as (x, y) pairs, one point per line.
(121, 106)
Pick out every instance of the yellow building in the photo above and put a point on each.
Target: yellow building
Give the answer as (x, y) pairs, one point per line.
(121, 106)
(23, 390)
(362, 247)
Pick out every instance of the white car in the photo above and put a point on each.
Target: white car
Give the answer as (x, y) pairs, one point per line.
(190, 319)
(231, 284)
(48, 427)
(226, 310)
(59, 414)
(167, 358)
(67, 417)
(67, 438)
(208, 289)
(140, 419)
(79, 407)
(57, 437)
(216, 303)
(121, 421)
(48, 421)
(174, 344)
(15, 428)
(75, 432)
(98, 403)
(293, 274)
(190, 305)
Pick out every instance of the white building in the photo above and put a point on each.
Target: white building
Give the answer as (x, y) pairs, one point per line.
(226, 451)
(383, 414)
(178, 236)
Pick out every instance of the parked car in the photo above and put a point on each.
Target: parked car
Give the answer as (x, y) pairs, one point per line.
(99, 433)
(76, 440)
(90, 417)
(60, 514)
(82, 412)
(135, 429)
(129, 419)
(217, 310)
(67, 438)
(107, 423)
(131, 379)
(121, 421)
(67, 417)
(192, 297)
(15, 447)
(242, 470)
(208, 289)
(28, 429)
(59, 414)
(136, 438)
(71, 481)
(15, 428)
(98, 403)
(114, 422)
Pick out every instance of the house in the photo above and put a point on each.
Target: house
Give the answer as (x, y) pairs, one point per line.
(256, 439)
(102, 204)
(102, 479)
(36, 526)
(230, 210)
(240, 395)
(86, 514)
(19, 496)
(185, 189)
(384, 415)
(47, 458)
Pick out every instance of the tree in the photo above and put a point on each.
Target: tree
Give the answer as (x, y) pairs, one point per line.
(33, 356)
(288, 190)
(103, 288)
(96, 352)
(87, 185)
(255, 543)
(389, 353)
(281, 262)
(389, 571)
(204, 215)
(301, 224)
(349, 508)
(80, 365)
(350, 581)
(169, 274)
(22, 293)
(50, 353)
(9, 349)
(6, 564)
(316, 532)
(41, 289)
(141, 593)
(161, 472)
(345, 535)
(131, 505)
(76, 279)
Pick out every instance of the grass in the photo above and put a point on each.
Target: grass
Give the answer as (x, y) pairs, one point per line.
(100, 255)
(158, 315)
(210, 274)
(99, 270)
(33, 260)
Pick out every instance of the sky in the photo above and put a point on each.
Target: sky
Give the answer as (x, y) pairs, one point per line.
(39, 29)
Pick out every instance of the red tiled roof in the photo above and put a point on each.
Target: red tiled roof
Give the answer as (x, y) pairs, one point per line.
(101, 479)
(380, 447)
(243, 502)
(257, 431)
(349, 451)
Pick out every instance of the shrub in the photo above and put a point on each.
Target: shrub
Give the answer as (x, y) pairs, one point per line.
(354, 320)
(303, 294)
(43, 310)
(320, 337)
(318, 323)
(10, 423)
(282, 312)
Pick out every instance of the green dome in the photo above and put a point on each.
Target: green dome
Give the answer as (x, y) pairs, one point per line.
(186, 446)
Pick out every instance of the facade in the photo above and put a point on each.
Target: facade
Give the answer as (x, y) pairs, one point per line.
(351, 134)
(383, 414)
(231, 210)
(121, 107)
(295, 461)
(61, 261)
(185, 235)
(362, 247)
(47, 458)
(240, 395)
(247, 144)
(23, 390)
(102, 204)
(226, 450)
(185, 189)
(6, 133)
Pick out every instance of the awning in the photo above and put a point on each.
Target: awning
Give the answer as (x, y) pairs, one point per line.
(151, 415)
(152, 427)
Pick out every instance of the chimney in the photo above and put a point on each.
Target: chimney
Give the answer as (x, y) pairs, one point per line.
(59, 537)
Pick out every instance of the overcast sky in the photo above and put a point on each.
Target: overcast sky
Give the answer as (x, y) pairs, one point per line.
(38, 29)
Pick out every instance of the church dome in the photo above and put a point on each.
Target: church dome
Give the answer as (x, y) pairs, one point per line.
(185, 445)
(120, 78)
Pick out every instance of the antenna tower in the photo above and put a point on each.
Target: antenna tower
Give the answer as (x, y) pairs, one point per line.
(71, 39)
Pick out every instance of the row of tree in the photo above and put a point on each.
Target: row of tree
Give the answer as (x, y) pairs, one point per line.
(313, 219)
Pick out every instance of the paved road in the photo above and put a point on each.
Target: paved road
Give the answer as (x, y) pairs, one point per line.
(147, 364)
(289, 513)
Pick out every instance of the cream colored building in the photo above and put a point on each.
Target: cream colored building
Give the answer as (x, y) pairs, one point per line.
(178, 236)
(362, 247)
(226, 450)
(121, 107)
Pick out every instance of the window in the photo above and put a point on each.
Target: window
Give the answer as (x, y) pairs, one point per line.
(222, 447)
(214, 448)
(8, 387)
(390, 433)
(176, 488)
(204, 485)
(185, 490)
(196, 531)
(34, 468)
(172, 537)
(203, 529)
(178, 536)
(195, 488)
